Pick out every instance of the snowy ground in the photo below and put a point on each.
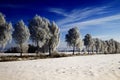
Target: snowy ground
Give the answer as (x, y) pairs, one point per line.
(94, 67)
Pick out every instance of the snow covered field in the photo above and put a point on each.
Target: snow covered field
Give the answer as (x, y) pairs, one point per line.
(93, 67)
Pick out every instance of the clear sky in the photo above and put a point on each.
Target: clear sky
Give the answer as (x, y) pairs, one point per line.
(100, 18)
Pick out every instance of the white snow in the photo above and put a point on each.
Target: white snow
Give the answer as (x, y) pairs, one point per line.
(94, 67)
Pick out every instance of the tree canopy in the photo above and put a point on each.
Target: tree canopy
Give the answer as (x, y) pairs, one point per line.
(5, 31)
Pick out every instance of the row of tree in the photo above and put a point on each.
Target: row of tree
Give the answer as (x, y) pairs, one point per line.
(92, 45)
(45, 35)
(101, 46)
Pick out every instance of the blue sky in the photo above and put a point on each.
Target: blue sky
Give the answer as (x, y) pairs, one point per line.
(100, 18)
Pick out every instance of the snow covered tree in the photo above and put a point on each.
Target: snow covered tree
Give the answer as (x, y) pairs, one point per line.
(72, 38)
(79, 45)
(103, 46)
(93, 45)
(98, 45)
(21, 34)
(44, 34)
(108, 47)
(111, 46)
(38, 32)
(54, 39)
(117, 47)
(5, 31)
(88, 42)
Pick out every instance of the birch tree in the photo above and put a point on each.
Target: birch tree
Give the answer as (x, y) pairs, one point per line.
(72, 38)
(88, 42)
(21, 34)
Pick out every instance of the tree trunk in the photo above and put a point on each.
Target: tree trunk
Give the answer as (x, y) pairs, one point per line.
(79, 50)
(37, 48)
(21, 51)
(93, 50)
(96, 50)
(73, 49)
(43, 49)
(88, 49)
(49, 50)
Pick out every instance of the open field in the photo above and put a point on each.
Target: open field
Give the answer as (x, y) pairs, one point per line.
(92, 67)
